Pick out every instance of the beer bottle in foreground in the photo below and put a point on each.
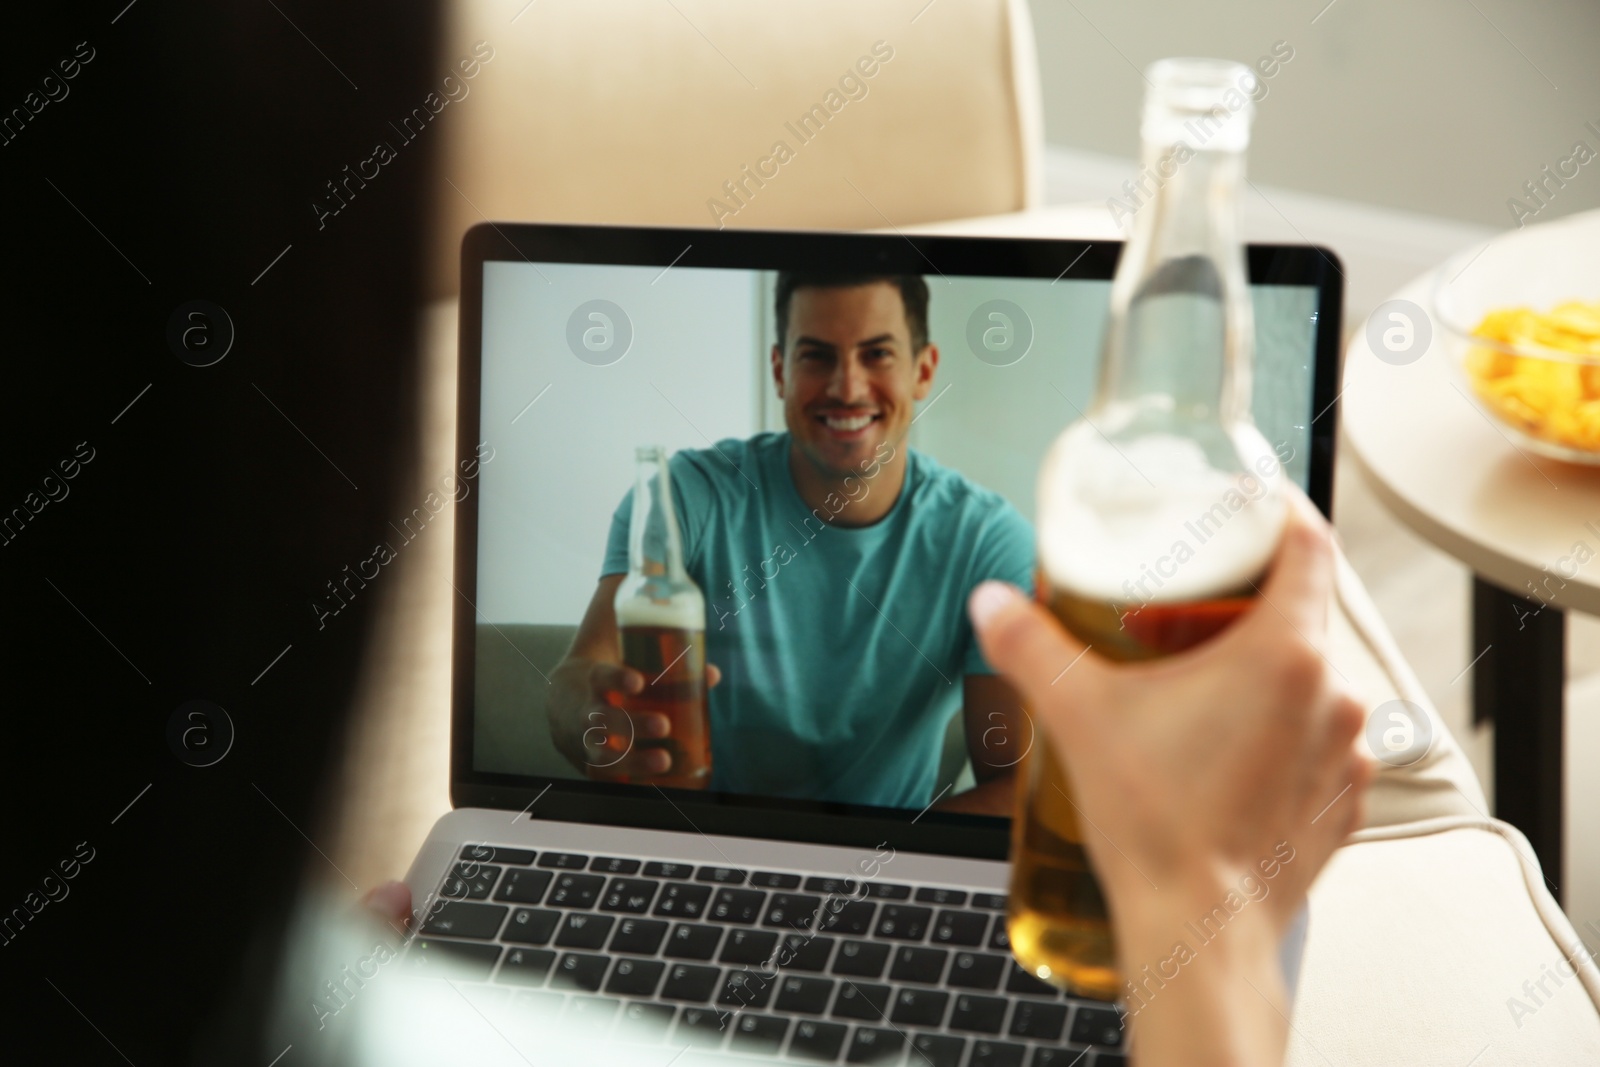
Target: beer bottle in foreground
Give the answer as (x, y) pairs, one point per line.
(1160, 509)
(661, 623)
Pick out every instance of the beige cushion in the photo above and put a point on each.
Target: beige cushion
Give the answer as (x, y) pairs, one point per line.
(1421, 938)
(639, 111)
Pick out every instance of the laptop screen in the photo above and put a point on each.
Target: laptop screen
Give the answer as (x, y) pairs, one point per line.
(850, 450)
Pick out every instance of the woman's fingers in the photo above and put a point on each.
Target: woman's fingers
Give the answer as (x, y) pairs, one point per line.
(390, 902)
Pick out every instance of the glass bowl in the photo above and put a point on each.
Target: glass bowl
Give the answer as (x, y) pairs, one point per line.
(1523, 353)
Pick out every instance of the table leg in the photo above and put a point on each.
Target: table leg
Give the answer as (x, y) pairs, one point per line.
(1518, 685)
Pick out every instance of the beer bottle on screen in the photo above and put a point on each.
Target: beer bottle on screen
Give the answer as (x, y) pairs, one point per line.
(661, 623)
(1160, 508)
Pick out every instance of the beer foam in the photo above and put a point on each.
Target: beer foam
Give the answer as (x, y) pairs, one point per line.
(684, 610)
(1154, 523)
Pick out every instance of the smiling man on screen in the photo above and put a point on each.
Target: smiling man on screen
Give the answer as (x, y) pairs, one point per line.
(836, 563)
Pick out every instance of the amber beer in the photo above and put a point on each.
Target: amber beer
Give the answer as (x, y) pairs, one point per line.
(1058, 925)
(673, 662)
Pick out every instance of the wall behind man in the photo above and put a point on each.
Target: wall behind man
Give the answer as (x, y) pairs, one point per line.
(1442, 107)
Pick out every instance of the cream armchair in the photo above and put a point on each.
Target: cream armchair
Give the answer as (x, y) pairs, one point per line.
(1433, 937)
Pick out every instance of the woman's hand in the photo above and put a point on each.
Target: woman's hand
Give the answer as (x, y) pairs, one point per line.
(1199, 773)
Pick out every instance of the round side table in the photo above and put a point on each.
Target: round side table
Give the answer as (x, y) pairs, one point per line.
(1527, 526)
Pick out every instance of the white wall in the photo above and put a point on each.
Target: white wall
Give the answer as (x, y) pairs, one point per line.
(1441, 107)
(561, 468)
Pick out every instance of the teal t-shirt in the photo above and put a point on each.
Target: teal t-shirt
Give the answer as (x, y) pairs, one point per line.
(842, 649)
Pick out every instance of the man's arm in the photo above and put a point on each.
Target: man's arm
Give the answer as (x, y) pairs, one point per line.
(998, 734)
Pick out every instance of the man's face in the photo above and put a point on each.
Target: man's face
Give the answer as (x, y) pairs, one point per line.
(847, 374)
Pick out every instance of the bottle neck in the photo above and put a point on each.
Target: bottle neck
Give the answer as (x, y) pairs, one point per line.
(655, 548)
(1179, 337)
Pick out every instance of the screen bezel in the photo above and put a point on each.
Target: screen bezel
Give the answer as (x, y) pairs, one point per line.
(819, 822)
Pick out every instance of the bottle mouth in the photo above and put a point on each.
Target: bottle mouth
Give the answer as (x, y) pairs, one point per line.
(1206, 104)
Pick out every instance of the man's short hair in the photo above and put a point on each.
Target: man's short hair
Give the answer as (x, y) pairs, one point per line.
(913, 294)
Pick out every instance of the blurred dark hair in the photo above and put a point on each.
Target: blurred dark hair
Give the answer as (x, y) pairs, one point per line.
(913, 293)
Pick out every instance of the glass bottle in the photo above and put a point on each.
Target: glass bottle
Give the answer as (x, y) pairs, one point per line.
(1161, 507)
(661, 624)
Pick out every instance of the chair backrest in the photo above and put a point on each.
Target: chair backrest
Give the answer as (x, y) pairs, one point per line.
(829, 114)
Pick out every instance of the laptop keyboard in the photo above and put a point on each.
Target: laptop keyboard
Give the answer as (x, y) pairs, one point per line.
(797, 967)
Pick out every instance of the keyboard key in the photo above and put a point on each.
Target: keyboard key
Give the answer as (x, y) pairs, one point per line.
(791, 910)
(737, 905)
(526, 966)
(470, 881)
(888, 891)
(700, 1028)
(455, 918)
(576, 890)
(612, 865)
(644, 1022)
(919, 1007)
(817, 1041)
(1097, 1026)
(924, 965)
(805, 952)
(721, 875)
(870, 1044)
(903, 922)
(531, 926)
(976, 970)
(631, 895)
(577, 970)
(566, 861)
(809, 995)
(934, 895)
(989, 901)
(497, 854)
(996, 1054)
(749, 946)
(1059, 1056)
(1020, 981)
(635, 978)
(759, 1035)
(455, 960)
(639, 936)
(862, 959)
(861, 1000)
(589, 1013)
(1041, 1022)
(851, 917)
(691, 942)
(937, 1050)
(960, 928)
(770, 880)
(746, 989)
(584, 931)
(838, 887)
(683, 901)
(657, 869)
(685, 981)
(981, 1014)
(999, 940)
(524, 887)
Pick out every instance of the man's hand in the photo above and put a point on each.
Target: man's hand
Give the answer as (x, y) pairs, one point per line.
(593, 728)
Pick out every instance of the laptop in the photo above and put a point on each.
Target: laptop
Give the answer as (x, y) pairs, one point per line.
(803, 905)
